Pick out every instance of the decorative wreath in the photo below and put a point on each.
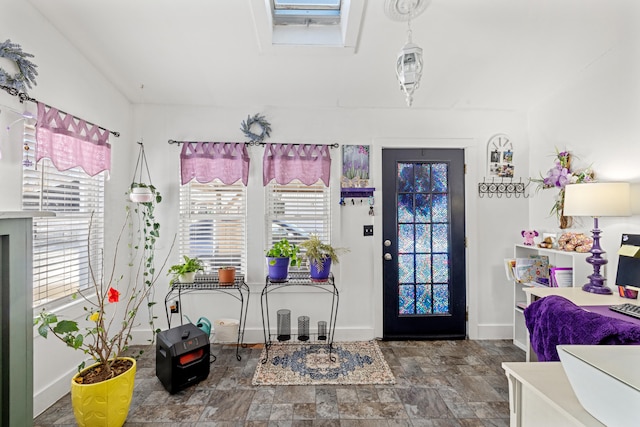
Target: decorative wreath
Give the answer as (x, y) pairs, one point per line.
(258, 120)
(26, 69)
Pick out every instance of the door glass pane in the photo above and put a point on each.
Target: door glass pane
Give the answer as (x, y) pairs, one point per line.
(405, 177)
(407, 299)
(405, 208)
(423, 238)
(423, 299)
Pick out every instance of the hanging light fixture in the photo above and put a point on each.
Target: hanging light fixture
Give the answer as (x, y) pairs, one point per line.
(409, 62)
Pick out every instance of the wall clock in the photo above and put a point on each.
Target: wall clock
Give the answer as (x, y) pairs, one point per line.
(500, 156)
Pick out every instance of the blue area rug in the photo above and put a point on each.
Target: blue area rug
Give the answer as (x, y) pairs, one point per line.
(359, 362)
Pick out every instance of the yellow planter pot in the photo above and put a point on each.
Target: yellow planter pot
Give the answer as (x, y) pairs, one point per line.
(104, 404)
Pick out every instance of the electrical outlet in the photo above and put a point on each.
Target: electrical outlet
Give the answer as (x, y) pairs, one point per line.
(368, 230)
(175, 307)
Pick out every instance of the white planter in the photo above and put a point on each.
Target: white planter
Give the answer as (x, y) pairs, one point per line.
(141, 195)
(187, 277)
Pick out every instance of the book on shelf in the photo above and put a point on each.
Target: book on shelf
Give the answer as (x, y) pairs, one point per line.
(534, 269)
(521, 305)
(561, 277)
(509, 266)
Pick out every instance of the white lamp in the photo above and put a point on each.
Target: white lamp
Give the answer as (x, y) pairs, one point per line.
(597, 199)
(409, 61)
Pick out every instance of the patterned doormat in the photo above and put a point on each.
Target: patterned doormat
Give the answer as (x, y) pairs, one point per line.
(359, 362)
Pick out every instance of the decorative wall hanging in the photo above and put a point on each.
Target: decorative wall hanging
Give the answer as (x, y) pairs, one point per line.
(355, 166)
(558, 177)
(500, 156)
(256, 121)
(206, 161)
(71, 142)
(502, 187)
(286, 162)
(26, 75)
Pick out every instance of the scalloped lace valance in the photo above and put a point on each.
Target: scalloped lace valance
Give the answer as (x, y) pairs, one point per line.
(286, 162)
(206, 161)
(71, 142)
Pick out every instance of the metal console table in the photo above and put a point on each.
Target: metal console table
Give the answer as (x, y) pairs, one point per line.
(208, 283)
(299, 279)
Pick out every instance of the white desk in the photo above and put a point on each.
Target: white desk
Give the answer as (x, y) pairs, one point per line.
(575, 295)
(540, 395)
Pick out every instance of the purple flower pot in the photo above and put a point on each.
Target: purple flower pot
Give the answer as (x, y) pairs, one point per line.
(278, 269)
(321, 275)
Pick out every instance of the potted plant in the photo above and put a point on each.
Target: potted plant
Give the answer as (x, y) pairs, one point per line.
(282, 255)
(320, 256)
(185, 272)
(227, 275)
(139, 192)
(101, 393)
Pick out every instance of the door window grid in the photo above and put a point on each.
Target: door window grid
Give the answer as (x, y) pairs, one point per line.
(423, 238)
(62, 248)
(212, 224)
(295, 211)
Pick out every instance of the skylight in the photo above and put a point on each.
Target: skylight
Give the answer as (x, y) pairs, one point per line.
(292, 26)
(306, 12)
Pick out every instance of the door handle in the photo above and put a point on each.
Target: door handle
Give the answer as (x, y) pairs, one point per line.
(387, 256)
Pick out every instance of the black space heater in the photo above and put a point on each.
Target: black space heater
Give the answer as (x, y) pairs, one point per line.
(182, 357)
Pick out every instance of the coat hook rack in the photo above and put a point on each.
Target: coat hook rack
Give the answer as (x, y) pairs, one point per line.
(502, 187)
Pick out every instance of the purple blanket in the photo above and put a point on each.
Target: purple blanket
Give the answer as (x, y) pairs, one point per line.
(555, 320)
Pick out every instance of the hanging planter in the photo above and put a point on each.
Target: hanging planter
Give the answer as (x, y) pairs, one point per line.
(141, 189)
(140, 193)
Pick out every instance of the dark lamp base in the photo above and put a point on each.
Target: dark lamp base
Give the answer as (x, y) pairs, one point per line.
(594, 289)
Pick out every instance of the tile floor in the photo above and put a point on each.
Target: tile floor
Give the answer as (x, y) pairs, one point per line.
(438, 383)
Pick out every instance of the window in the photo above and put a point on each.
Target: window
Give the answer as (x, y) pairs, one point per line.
(62, 248)
(306, 12)
(294, 211)
(213, 219)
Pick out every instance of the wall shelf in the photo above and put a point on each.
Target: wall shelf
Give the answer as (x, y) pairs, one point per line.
(356, 192)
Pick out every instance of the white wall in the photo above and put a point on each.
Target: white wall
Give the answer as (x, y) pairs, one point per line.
(490, 222)
(595, 117)
(68, 82)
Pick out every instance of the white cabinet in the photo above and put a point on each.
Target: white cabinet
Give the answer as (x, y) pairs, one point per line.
(575, 260)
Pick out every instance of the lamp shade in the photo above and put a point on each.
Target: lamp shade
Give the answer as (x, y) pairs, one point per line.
(597, 199)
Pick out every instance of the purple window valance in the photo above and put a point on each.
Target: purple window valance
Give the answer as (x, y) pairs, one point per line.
(206, 161)
(71, 142)
(286, 162)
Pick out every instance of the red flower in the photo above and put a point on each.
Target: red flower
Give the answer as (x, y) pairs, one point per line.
(114, 295)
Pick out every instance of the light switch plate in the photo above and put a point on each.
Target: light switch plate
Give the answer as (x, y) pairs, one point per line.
(368, 230)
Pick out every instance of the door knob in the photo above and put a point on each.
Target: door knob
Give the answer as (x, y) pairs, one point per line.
(387, 243)
(387, 257)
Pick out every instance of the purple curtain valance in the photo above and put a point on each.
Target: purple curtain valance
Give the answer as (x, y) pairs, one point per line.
(71, 142)
(286, 162)
(206, 161)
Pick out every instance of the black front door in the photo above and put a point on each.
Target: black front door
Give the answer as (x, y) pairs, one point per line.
(424, 268)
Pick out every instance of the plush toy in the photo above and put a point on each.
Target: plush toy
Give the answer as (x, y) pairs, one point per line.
(529, 235)
(577, 242)
(547, 243)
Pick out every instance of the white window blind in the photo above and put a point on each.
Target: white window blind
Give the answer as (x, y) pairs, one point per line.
(294, 211)
(213, 224)
(61, 245)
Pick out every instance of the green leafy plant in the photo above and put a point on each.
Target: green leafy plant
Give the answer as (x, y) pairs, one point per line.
(190, 265)
(316, 252)
(107, 333)
(284, 249)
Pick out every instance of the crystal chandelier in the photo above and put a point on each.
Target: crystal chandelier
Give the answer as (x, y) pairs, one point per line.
(409, 62)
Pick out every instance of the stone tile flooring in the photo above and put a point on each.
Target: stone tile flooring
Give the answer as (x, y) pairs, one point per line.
(438, 383)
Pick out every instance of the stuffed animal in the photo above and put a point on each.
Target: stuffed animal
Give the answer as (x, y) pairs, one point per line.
(529, 235)
(577, 242)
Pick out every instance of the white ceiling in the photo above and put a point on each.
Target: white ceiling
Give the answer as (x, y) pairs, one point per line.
(478, 54)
